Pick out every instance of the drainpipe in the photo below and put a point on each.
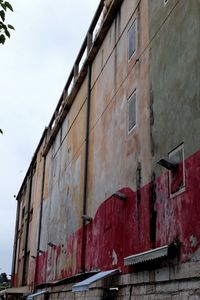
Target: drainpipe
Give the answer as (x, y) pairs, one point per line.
(40, 219)
(27, 226)
(15, 244)
(85, 187)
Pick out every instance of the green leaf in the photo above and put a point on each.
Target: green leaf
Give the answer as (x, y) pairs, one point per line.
(3, 6)
(2, 39)
(2, 15)
(11, 27)
(8, 5)
(3, 26)
(7, 33)
(1, 131)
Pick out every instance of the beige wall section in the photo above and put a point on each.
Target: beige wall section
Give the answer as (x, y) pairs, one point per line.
(28, 220)
(35, 210)
(63, 186)
(114, 154)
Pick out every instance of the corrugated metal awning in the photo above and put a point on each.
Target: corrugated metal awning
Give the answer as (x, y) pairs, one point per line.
(71, 279)
(147, 255)
(85, 284)
(32, 296)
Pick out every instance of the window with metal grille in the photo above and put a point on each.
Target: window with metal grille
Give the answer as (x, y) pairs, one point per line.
(132, 39)
(132, 112)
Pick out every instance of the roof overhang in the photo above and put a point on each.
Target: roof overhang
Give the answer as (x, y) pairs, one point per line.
(85, 284)
(164, 251)
(16, 290)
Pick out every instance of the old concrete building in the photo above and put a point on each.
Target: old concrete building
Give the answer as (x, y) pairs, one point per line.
(109, 207)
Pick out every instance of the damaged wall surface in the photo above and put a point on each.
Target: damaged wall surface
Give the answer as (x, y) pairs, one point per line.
(116, 172)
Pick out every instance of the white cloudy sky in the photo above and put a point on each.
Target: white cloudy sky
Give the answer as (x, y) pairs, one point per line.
(34, 66)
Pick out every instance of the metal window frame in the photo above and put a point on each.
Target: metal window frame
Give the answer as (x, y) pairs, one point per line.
(134, 23)
(134, 93)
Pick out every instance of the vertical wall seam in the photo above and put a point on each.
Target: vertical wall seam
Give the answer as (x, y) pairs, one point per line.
(85, 186)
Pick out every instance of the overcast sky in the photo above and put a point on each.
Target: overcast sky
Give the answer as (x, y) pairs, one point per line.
(34, 67)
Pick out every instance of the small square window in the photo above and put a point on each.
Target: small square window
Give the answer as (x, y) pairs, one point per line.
(177, 175)
(132, 112)
(132, 39)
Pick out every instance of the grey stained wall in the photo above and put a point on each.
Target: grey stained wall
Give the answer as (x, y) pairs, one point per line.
(175, 119)
(175, 75)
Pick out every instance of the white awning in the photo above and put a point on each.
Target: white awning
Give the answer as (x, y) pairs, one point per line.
(32, 296)
(85, 284)
(147, 255)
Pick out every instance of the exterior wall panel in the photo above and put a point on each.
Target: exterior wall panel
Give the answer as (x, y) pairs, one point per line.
(128, 205)
(175, 98)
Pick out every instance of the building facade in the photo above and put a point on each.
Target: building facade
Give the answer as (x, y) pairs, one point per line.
(109, 206)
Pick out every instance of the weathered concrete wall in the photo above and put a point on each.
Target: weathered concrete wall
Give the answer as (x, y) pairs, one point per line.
(174, 73)
(164, 72)
(113, 163)
(62, 205)
(29, 210)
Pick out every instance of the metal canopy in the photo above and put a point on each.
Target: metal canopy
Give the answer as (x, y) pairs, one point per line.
(85, 284)
(147, 255)
(32, 296)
